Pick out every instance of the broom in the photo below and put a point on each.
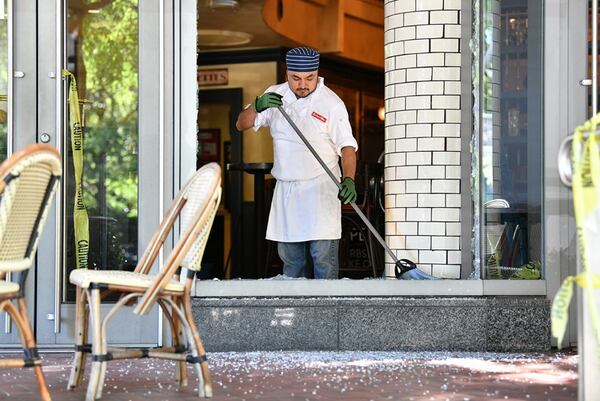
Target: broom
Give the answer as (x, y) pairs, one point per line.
(405, 269)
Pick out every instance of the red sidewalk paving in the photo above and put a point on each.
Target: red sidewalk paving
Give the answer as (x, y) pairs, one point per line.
(418, 376)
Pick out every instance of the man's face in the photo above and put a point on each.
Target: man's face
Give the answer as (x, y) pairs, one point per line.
(302, 83)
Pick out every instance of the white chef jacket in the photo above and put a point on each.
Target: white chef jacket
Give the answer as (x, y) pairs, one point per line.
(305, 206)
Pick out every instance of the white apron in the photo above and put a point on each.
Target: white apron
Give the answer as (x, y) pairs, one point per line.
(305, 210)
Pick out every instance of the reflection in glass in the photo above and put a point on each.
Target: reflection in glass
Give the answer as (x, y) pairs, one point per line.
(3, 79)
(102, 52)
(511, 140)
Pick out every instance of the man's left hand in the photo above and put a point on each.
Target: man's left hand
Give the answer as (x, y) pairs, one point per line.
(347, 193)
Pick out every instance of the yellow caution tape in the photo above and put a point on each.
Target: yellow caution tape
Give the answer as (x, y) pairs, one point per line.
(560, 305)
(80, 216)
(585, 157)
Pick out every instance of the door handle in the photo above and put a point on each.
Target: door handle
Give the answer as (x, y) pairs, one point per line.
(586, 82)
(565, 170)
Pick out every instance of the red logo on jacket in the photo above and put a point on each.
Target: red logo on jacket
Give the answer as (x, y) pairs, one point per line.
(318, 116)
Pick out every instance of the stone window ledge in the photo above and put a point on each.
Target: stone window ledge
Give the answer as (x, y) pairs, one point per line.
(359, 288)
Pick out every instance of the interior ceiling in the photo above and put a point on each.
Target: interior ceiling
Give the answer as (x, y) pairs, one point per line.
(246, 18)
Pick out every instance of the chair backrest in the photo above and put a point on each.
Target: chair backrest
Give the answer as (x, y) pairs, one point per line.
(196, 205)
(202, 191)
(28, 181)
(203, 194)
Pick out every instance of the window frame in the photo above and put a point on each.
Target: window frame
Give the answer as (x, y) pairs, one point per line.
(464, 287)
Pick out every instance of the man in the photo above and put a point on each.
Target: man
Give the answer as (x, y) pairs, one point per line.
(305, 215)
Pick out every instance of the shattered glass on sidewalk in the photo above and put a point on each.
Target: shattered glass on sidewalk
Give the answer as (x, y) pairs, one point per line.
(418, 376)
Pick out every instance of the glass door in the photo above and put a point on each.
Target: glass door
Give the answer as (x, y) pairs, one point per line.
(4, 64)
(18, 108)
(511, 140)
(102, 53)
(575, 44)
(110, 48)
(8, 336)
(587, 344)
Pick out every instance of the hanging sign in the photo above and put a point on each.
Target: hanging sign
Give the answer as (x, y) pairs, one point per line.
(213, 77)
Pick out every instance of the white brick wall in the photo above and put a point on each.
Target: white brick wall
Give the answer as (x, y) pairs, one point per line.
(423, 139)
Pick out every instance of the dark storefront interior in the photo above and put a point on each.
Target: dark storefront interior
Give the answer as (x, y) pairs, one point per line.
(237, 247)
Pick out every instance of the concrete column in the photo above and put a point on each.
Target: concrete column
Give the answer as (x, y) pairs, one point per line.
(422, 134)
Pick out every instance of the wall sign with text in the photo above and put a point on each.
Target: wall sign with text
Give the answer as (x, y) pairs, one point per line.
(213, 77)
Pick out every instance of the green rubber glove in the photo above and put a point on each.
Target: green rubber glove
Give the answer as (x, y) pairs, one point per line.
(347, 193)
(269, 99)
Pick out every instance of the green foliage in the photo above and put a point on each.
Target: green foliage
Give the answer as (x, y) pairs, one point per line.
(106, 55)
(109, 46)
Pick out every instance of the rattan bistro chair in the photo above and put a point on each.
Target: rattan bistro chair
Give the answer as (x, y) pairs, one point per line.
(195, 206)
(28, 180)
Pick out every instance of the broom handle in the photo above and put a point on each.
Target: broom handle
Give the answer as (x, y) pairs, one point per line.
(337, 183)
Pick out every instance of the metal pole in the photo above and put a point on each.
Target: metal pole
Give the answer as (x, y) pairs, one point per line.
(589, 351)
(9, 117)
(60, 134)
(594, 57)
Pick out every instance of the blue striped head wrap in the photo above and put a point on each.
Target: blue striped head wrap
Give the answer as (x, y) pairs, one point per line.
(302, 59)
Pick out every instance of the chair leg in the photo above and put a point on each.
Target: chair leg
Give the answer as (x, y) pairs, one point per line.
(42, 385)
(203, 372)
(81, 331)
(90, 395)
(102, 376)
(22, 321)
(178, 341)
(104, 351)
(94, 390)
(176, 337)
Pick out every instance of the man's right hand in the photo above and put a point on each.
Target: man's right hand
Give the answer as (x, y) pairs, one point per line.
(269, 99)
